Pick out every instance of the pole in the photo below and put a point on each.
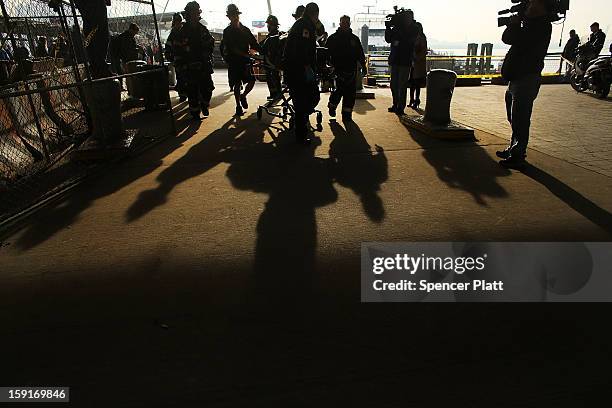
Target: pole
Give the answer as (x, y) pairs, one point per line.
(159, 43)
(269, 7)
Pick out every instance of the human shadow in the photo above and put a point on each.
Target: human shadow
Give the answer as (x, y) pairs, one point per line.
(65, 211)
(356, 167)
(201, 158)
(297, 183)
(363, 106)
(463, 165)
(572, 198)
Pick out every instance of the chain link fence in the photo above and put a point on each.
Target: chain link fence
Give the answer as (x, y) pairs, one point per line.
(47, 116)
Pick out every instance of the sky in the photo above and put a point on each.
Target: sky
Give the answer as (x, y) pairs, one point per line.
(448, 23)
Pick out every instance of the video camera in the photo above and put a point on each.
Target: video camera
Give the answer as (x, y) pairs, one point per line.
(393, 20)
(559, 11)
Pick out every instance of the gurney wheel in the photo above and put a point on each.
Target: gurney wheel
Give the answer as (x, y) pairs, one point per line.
(259, 113)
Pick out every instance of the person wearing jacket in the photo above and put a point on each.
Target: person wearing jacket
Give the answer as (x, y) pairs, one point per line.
(177, 24)
(299, 63)
(570, 49)
(124, 47)
(597, 40)
(238, 42)
(529, 37)
(193, 50)
(346, 56)
(402, 37)
(418, 74)
(272, 52)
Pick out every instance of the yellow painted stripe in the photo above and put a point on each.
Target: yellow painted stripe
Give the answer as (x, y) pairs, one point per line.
(471, 76)
(454, 57)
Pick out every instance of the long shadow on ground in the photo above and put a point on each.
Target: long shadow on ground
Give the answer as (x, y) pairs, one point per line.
(66, 211)
(572, 198)
(464, 165)
(355, 166)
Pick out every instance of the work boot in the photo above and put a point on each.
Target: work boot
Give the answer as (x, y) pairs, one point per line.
(347, 117)
(205, 111)
(391, 109)
(503, 154)
(514, 163)
(195, 115)
(239, 111)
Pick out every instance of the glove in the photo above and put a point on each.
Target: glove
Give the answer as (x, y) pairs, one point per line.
(364, 71)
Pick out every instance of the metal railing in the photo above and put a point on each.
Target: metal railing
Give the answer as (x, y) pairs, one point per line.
(44, 113)
(466, 67)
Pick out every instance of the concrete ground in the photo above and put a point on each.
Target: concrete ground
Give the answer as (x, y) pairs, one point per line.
(221, 268)
(567, 125)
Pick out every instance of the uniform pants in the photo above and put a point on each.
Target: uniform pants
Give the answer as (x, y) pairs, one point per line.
(274, 82)
(400, 79)
(520, 96)
(181, 83)
(200, 87)
(95, 18)
(305, 95)
(346, 90)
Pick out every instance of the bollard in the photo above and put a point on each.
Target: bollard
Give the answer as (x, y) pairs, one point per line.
(136, 89)
(104, 102)
(440, 88)
(437, 119)
(157, 92)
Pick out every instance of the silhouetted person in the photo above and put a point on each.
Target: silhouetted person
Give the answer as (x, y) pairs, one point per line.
(177, 24)
(418, 74)
(529, 37)
(597, 40)
(273, 55)
(347, 57)
(299, 61)
(193, 48)
(238, 42)
(571, 47)
(124, 46)
(402, 37)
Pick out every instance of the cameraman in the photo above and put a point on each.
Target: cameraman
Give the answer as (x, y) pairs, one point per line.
(401, 32)
(529, 37)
